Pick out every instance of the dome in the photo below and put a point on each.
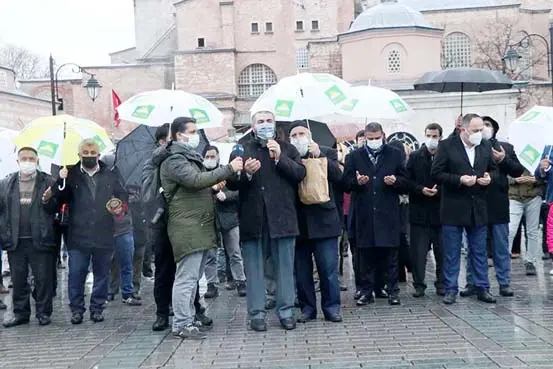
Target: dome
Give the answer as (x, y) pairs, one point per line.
(388, 14)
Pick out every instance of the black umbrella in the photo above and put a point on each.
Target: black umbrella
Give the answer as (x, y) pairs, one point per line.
(135, 148)
(464, 80)
(320, 132)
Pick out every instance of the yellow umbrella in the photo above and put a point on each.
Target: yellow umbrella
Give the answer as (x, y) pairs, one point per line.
(57, 138)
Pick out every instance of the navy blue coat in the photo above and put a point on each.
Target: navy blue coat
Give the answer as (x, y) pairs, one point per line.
(374, 208)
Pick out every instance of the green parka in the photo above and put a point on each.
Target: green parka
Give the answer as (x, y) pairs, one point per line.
(191, 210)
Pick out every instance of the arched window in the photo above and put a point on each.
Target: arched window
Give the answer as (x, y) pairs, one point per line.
(254, 80)
(394, 61)
(457, 51)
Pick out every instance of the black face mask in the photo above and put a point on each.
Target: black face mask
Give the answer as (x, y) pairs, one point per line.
(89, 162)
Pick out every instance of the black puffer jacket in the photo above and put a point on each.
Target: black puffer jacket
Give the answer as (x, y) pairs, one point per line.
(42, 214)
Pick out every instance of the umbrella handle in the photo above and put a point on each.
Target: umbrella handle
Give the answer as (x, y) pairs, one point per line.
(62, 187)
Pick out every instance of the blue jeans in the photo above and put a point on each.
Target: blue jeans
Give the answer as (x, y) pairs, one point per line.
(326, 257)
(501, 255)
(282, 258)
(79, 261)
(452, 238)
(124, 255)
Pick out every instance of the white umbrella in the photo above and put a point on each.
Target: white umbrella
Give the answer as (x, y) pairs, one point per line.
(304, 96)
(154, 108)
(530, 134)
(369, 103)
(8, 154)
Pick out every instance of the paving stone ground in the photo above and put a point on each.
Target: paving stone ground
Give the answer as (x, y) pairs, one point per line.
(421, 333)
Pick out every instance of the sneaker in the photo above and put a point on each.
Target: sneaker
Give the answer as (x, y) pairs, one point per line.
(203, 319)
(241, 288)
(136, 296)
(201, 327)
(230, 285)
(530, 269)
(131, 301)
(191, 332)
(212, 291)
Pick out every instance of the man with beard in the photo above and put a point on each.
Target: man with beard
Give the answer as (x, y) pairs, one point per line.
(268, 219)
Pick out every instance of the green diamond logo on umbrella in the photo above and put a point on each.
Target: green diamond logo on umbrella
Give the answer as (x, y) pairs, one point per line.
(100, 142)
(48, 149)
(283, 108)
(529, 116)
(350, 105)
(529, 154)
(335, 95)
(398, 105)
(143, 111)
(200, 115)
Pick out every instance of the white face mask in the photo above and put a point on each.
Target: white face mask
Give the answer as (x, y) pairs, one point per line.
(210, 163)
(27, 168)
(432, 143)
(374, 144)
(193, 140)
(475, 138)
(302, 144)
(487, 133)
(265, 131)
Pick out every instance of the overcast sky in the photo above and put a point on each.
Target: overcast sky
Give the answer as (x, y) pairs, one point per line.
(79, 31)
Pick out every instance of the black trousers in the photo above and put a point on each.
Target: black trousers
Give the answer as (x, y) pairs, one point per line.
(164, 276)
(422, 238)
(518, 237)
(60, 233)
(379, 265)
(356, 263)
(43, 267)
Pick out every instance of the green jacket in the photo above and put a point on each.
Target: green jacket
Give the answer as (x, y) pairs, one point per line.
(191, 209)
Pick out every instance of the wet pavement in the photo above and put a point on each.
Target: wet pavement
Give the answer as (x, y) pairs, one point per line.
(515, 332)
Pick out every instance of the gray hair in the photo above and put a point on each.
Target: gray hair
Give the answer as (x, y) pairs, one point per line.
(468, 118)
(254, 115)
(87, 142)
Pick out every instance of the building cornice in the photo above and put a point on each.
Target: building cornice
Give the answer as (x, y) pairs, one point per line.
(8, 69)
(204, 51)
(122, 51)
(391, 29)
(471, 9)
(535, 11)
(24, 96)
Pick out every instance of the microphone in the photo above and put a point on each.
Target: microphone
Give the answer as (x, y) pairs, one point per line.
(237, 151)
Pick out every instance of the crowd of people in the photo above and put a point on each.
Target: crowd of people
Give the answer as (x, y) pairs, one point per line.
(281, 214)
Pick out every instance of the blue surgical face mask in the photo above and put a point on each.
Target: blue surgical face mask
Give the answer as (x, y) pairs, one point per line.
(265, 131)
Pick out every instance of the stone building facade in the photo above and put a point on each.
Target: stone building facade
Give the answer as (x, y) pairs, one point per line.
(231, 51)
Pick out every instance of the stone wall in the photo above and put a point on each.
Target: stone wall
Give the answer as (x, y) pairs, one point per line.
(209, 71)
(17, 110)
(325, 57)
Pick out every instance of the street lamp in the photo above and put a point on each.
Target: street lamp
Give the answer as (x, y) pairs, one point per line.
(92, 85)
(512, 57)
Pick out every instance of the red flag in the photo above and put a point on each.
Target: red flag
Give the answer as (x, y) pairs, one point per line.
(116, 102)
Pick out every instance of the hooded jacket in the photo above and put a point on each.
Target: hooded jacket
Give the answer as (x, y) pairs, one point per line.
(187, 189)
(498, 190)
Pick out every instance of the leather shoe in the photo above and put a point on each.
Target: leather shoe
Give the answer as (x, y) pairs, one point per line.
(381, 294)
(450, 298)
(394, 300)
(486, 296)
(44, 320)
(304, 318)
(76, 318)
(357, 295)
(18, 320)
(470, 290)
(506, 291)
(365, 300)
(419, 292)
(288, 323)
(96, 317)
(335, 318)
(258, 325)
(161, 324)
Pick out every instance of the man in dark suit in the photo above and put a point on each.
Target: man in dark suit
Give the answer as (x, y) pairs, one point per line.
(498, 209)
(464, 167)
(268, 218)
(375, 175)
(319, 226)
(424, 212)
